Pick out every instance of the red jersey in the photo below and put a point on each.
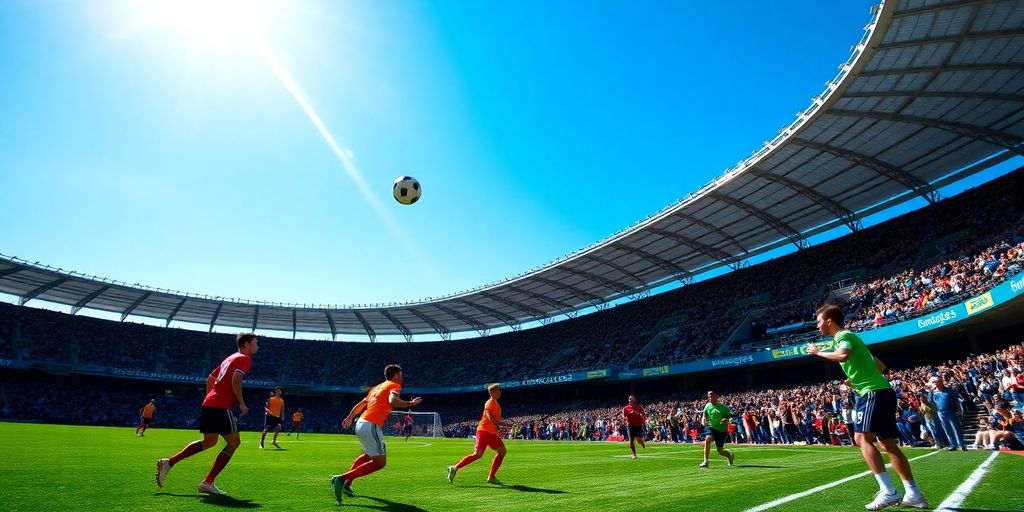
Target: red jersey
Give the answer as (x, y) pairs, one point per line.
(222, 395)
(634, 415)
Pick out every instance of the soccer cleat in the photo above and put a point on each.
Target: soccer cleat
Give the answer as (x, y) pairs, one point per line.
(276, 445)
(731, 457)
(347, 489)
(703, 464)
(963, 448)
(494, 481)
(451, 474)
(261, 446)
(163, 466)
(883, 500)
(914, 501)
(208, 488)
(338, 487)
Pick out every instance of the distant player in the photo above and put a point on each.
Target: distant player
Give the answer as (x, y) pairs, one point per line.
(223, 391)
(370, 429)
(716, 422)
(407, 426)
(875, 416)
(634, 417)
(274, 411)
(145, 416)
(488, 435)
(296, 423)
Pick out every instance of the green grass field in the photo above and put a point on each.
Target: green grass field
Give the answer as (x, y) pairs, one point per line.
(47, 467)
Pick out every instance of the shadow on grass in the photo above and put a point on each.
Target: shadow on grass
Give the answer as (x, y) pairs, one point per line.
(761, 467)
(520, 488)
(389, 506)
(220, 501)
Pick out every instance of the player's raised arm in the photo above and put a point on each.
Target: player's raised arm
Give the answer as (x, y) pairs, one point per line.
(356, 409)
(397, 401)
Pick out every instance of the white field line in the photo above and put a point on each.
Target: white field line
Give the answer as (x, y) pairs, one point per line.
(791, 497)
(956, 499)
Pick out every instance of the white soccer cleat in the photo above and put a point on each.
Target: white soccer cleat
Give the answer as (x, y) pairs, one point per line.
(163, 466)
(703, 464)
(207, 488)
(883, 500)
(451, 474)
(914, 501)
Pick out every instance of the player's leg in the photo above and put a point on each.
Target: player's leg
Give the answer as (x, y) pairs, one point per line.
(912, 495)
(223, 458)
(708, 439)
(163, 466)
(277, 431)
(478, 451)
(631, 432)
(498, 446)
(720, 446)
(374, 458)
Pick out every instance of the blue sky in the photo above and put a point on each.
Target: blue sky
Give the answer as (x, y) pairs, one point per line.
(165, 143)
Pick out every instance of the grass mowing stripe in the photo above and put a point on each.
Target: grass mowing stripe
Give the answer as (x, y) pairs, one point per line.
(791, 497)
(953, 501)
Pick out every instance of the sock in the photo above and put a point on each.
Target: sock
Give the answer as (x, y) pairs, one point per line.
(222, 460)
(885, 483)
(495, 464)
(275, 436)
(186, 452)
(364, 469)
(910, 488)
(360, 460)
(467, 460)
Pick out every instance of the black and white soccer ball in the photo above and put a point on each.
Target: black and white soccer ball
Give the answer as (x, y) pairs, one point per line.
(406, 190)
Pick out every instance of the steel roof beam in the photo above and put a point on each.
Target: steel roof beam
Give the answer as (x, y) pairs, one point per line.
(662, 263)
(776, 223)
(710, 227)
(841, 212)
(295, 323)
(140, 300)
(40, 290)
(705, 249)
(88, 298)
(216, 314)
(982, 133)
(604, 281)
(955, 38)
(255, 317)
(530, 310)
(475, 324)
(366, 326)
(506, 319)
(175, 311)
(939, 94)
(908, 180)
(616, 266)
(586, 296)
(991, 66)
(401, 327)
(566, 309)
(9, 271)
(937, 7)
(330, 322)
(441, 330)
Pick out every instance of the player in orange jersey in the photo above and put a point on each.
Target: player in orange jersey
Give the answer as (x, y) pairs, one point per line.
(375, 409)
(296, 422)
(488, 435)
(145, 416)
(274, 411)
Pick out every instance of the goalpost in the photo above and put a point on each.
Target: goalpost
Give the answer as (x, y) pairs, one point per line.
(424, 424)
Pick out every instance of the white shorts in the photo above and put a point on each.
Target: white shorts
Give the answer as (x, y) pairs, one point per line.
(371, 438)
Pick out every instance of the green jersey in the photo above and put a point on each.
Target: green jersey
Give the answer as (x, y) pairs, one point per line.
(715, 413)
(860, 368)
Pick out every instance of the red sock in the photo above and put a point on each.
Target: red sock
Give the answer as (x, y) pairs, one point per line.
(495, 464)
(222, 460)
(467, 460)
(360, 460)
(186, 452)
(364, 469)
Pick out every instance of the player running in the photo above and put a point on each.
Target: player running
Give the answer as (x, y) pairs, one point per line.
(716, 421)
(407, 426)
(274, 411)
(370, 429)
(634, 417)
(487, 436)
(875, 409)
(296, 423)
(223, 391)
(145, 416)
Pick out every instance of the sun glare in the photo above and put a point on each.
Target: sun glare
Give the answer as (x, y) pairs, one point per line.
(216, 23)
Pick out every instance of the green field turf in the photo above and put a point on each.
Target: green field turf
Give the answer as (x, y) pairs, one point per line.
(47, 467)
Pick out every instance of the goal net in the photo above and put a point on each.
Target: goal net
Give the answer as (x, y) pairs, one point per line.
(423, 424)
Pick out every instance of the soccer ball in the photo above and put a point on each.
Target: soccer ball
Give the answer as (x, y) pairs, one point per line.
(406, 190)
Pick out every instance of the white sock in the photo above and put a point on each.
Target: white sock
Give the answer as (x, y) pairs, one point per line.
(885, 483)
(910, 488)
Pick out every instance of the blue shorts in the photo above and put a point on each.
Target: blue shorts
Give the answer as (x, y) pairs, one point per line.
(875, 413)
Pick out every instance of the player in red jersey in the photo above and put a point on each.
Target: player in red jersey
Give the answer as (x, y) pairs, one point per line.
(223, 391)
(634, 417)
(407, 426)
(488, 435)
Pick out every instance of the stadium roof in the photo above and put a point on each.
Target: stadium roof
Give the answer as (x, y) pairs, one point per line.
(932, 93)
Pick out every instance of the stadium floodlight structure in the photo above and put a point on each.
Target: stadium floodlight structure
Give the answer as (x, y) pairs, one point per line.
(424, 423)
(930, 95)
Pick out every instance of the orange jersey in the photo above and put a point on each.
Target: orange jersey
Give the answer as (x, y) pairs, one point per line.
(297, 417)
(378, 404)
(148, 410)
(275, 406)
(491, 406)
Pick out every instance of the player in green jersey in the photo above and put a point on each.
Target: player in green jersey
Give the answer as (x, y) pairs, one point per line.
(716, 422)
(875, 411)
